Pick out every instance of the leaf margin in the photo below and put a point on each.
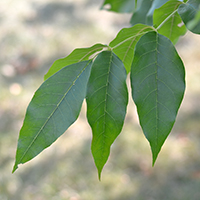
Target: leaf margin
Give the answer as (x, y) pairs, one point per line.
(19, 158)
(157, 150)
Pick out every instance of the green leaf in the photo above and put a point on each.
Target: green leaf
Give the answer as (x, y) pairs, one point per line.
(140, 15)
(107, 99)
(124, 43)
(194, 24)
(77, 55)
(156, 4)
(189, 13)
(168, 22)
(120, 6)
(54, 107)
(158, 85)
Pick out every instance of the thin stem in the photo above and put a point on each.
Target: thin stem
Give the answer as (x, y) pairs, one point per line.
(169, 16)
(163, 22)
(134, 36)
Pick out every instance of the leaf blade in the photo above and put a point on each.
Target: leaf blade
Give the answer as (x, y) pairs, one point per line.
(125, 6)
(77, 55)
(189, 12)
(158, 85)
(155, 4)
(107, 98)
(124, 43)
(54, 107)
(173, 27)
(140, 14)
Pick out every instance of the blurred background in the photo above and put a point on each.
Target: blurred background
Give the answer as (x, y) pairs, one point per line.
(33, 34)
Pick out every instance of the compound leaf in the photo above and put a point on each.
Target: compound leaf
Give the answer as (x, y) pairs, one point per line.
(190, 14)
(124, 43)
(107, 99)
(168, 22)
(54, 107)
(77, 55)
(158, 84)
(120, 6)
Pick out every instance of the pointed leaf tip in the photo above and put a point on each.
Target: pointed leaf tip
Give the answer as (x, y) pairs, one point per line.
(154, 154)
(99, 175)
(15, 167)
(158, 85)
(54, 107)
(107, 98)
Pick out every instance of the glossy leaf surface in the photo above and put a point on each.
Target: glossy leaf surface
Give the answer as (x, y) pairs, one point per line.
(124, 43)
(77, 55)
(120, 6)
(158, 84)
(107, 98)
(54, 107)
(189, 13)
(168, 22)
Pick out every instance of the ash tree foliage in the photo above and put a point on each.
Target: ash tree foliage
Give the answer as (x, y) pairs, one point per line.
(98, 74)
